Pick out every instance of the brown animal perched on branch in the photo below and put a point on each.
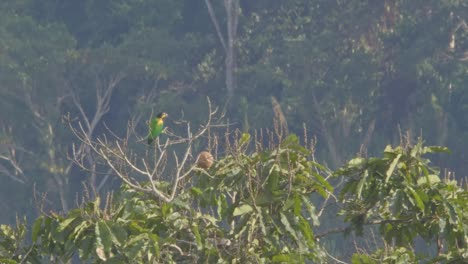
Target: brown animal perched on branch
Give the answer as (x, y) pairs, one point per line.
(205, 160)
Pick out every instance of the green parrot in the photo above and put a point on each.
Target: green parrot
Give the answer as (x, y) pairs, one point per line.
(156, 127)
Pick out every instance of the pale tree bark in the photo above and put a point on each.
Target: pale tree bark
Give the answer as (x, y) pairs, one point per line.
(232, 9)
(9, 163)
(57, 165)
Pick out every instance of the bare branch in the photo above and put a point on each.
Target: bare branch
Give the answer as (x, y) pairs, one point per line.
(215, 23)
(121, 156)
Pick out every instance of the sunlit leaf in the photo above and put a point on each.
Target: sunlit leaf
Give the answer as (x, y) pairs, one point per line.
(197, 235)
(65, 223)
(356, 162)
(306, 230)
(287, 226)
(297, 205)
(363, 259)
(103, 236)
(243, 209)
(429, 179)
(245, 138)
(155, 241)
(361, 184)
(36, 229)
(392, 166)
(436, 149)
(79, 229)
(417, 199)
(196, 191)
(311, 210)
(322, 181)
(101, 253)
(450, 211)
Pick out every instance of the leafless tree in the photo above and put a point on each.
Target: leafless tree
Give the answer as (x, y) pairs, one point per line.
(9, 163)
(232, 18)
(45, 124)
(104, 91)
(145, 170)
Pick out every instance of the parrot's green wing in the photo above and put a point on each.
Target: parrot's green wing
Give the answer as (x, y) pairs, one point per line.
(156, 127)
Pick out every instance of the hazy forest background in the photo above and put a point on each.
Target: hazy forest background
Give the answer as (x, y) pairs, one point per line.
(358, 75)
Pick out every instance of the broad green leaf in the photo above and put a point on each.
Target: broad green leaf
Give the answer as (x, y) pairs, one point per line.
(319, 166)
(297, 205)
(181, 203)
(136, 245)
(165, 209)
(424, 169)
(7, 261)
(264, 198)
(288, 258)
(322, 180)
(356, 162)
(436, 149)
(174, 216)
(155, 241)
(419, 202)
(363, 259)
(273, 178)
(423, 195)
(79, 229)
(210, 219)
(86, 247)
(222, 206)
(36, 229)
(311, 209)
(282, 258)
(361, 184)
(450, 211)
(388, 149)
(391, 168)
(196, 191)
(136, 227)
(181, 223)
(198, 238)
(288, 203)
(119, 234)
(65, 223)
(243, 209)
(137, 238)
(262, 223)
(306, 231)
(429, 179)
(397, 201)
(287, 226)
(103, 236)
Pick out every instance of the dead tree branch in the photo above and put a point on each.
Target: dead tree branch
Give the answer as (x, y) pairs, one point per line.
(145, 172)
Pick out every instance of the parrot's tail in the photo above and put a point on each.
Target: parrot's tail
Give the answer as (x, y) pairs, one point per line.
(150, 140)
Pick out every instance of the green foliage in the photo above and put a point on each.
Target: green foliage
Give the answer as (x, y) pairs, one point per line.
(13, 248)
(399, 255)
(263, 200)
(406, 199)
(258, 206)
(249, 207)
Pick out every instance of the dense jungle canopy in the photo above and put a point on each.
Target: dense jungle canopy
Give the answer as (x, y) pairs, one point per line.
(351, 76)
